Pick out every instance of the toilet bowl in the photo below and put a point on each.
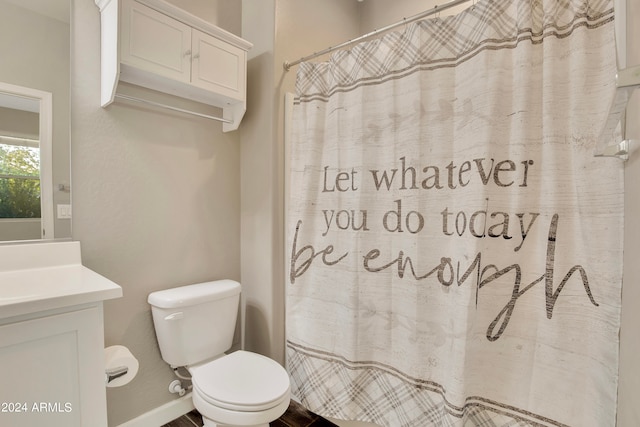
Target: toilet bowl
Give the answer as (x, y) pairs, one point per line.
(195, 326)
(240, 389)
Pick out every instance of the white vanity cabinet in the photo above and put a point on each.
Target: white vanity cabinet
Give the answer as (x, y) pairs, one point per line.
(52, 337)
(53, 371)
(154, 44)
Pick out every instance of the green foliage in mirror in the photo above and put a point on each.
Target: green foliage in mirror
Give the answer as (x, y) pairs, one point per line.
(19, 182)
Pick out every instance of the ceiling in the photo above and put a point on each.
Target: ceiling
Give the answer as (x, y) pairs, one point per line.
(56, 9)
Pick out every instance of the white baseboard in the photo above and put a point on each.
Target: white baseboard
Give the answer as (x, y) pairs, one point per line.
(163, 414)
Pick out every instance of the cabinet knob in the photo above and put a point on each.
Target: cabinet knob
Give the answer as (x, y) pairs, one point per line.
(187, 53)
(196, 56)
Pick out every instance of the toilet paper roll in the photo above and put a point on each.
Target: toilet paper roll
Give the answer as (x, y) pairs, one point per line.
(119, 359)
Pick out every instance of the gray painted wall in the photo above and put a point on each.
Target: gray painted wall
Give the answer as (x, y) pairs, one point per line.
(629, 372)
(156, 204)
(283, 29)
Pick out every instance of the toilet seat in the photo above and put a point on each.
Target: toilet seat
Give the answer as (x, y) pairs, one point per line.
(242, 381)
(221, 416)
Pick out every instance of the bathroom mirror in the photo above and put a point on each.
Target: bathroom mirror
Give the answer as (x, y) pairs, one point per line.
(35, 185)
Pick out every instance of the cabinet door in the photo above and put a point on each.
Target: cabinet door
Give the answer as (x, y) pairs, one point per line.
(218, 66)
(53, 371)
(155, 42)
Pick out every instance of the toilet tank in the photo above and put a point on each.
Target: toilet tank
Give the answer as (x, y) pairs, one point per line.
(195, 322)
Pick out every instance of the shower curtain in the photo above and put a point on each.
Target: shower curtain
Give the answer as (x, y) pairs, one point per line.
(454, 248)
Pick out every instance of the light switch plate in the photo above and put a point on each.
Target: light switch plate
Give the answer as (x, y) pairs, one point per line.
(64, 211)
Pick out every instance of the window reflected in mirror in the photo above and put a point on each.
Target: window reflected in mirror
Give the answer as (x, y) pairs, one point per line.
(26, 192)
(20, 210)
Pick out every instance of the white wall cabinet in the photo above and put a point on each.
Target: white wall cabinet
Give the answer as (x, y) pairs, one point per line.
(154, 44)
(218, 66)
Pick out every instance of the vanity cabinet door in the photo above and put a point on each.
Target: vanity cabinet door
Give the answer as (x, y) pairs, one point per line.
(154, 42)
(53, 371)
(218, 66)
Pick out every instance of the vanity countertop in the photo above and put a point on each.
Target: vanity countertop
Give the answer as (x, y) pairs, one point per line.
(38, 277)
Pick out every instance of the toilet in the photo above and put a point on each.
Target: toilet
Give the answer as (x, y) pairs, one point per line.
(195, 325)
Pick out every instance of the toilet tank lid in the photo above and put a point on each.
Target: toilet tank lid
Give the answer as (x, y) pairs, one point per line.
(199, 293)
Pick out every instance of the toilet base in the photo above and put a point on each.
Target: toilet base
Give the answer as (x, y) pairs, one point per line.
(214, 416)
(210, 423)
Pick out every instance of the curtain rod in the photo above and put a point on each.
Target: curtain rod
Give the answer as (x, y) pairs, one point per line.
(287, 65)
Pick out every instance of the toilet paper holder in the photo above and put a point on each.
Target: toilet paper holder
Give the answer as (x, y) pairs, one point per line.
(117, 372)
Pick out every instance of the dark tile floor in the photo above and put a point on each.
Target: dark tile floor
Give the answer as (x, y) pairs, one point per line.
(192, 419)
(296, 416)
